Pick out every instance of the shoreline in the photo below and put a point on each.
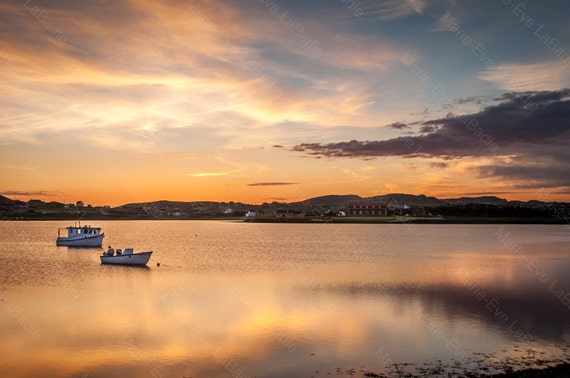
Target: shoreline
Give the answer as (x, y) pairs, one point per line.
(308, 220)
(561, 370)
(544, 370)
(409, 220)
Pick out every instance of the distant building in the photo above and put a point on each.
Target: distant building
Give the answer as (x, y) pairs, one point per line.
(367, 208)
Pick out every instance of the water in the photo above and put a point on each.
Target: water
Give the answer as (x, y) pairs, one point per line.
(233, 299)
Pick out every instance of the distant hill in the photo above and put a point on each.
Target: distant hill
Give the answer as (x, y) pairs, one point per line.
(160, 203)
(6, 200)
(395, 200)
(315, 204)
(484, 200)
(339, 201)
(410, 200)
(482, 209)
(330, 201)
(184, 206)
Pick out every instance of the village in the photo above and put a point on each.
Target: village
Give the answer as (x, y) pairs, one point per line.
(343, 208)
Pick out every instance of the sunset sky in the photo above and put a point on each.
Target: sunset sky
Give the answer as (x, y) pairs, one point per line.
(116, 101)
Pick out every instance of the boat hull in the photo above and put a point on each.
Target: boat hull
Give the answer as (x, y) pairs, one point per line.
(89, 241)
(132, 259)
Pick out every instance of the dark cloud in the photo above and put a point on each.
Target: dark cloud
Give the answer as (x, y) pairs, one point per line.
(476, 99)
(528, 98)
(531, 128)
(428, 129)
(42, 193)
(438, 165)
(399, 126)
(508, 127)
(272, 183)
(549, 174)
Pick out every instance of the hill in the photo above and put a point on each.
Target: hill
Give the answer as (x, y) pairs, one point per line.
(400, 200)
(398, 204)
(6, 201)
(330, 201)
(484, 200)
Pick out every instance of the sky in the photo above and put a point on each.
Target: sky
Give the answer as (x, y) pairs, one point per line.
(116, 101)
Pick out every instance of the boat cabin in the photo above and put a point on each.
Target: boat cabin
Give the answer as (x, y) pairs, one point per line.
(85, 231)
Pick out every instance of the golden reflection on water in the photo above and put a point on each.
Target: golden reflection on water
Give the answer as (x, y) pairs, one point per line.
(290, 319)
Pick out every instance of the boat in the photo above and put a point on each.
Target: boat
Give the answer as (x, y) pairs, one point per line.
(127, 257)
(80, 236)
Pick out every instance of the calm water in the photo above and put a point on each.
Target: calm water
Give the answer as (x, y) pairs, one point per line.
(233, 299)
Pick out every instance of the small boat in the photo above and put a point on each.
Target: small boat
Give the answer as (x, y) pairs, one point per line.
(80, 236)
(127, 257)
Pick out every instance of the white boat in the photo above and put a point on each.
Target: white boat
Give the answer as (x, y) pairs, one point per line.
(80, 236)
(125, 258)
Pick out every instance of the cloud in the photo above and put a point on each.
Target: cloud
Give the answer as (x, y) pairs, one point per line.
(476, 99)
(209, 174)
(278, 199)
(272, 183)
(41, 193)
(386, 10)
(534, 118)
(522, 141)
(230, 77)
(440, 165)
(202, 63)
(399, 126)
(428, 129)
(546, 76)
(217, 161)
(530, 172)
(446, 22)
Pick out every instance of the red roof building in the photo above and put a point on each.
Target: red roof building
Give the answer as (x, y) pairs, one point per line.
(367, 208)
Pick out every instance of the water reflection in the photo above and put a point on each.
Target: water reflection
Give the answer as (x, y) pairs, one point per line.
(292, 303)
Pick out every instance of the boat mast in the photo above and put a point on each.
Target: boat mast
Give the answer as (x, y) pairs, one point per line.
(78, 221)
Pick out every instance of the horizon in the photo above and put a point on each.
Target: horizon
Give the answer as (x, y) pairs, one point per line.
(283, 202)
(113, 102)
